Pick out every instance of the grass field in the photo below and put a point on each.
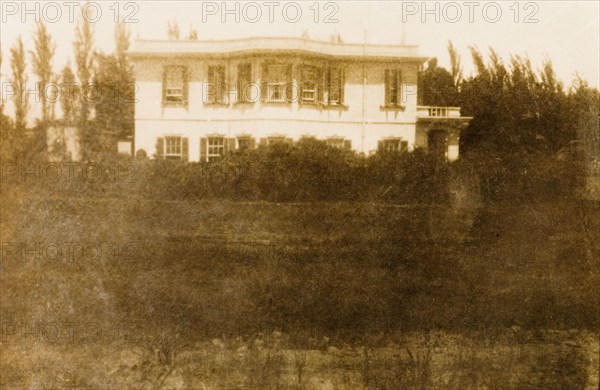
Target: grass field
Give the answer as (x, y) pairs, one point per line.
(130, 292)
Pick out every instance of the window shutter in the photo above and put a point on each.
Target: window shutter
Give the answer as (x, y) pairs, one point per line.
(323, 85)
(160, 147)
(263, 142)
(347, 144)
(185, 85)
(403, 146)
(238, 83)
(203, 149)
(301, 80)
(380, 146)
(229, 145)
(398, 87)
(211, 75)
(184, 149)
(223, 86)
(387, 80)
(289, 86)
(211, 87)
(164, 85)
(252, 142)
(264, 93)
(342, 84)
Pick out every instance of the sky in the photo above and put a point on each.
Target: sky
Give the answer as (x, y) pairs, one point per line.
(565, 32)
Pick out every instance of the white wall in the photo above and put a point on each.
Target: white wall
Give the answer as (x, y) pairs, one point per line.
(363, 127)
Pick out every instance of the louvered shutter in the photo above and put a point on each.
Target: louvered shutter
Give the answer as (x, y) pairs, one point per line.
(263, 142)
(380, 146)
(289, 85)
(229, 145)
(164, 85)
(252, 142)
(342, 84)
(185, 150)
(160, 147)
(203, 149)
(239, 93)
(388, 90)
(185, 85)
(323, 85)
(264, 91)
(398, 87)
(403, 146)
(301, 81)
(347, 144)
(222, 88)
(212, 94)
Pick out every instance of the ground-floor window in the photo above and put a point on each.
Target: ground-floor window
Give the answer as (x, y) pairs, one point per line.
(275, 140)
(173, 148)
(393, 145)
(336, 142)
(245, 143)
(216, 148)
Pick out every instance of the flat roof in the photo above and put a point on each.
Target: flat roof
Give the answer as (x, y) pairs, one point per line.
(267, 45)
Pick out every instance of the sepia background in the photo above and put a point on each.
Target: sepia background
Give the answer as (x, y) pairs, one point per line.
(301, 265)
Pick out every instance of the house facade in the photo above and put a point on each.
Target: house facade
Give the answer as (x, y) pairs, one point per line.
(198, 100)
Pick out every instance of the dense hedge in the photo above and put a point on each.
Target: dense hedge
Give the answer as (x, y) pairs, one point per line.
(306, 171)
(309, 171)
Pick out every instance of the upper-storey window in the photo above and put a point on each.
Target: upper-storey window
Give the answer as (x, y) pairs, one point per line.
(277, 82)
(175, 84)
(309, 87)
(244, 81)
(216, 84)
(334, 93)
(393, 85)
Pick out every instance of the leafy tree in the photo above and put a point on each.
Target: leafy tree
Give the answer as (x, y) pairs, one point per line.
(41, 60)
(68, 100)
(6, 128)
(16, 138)
(455, 66)
(522, 124)
(122, 43)
(114, 82)
(84, 58)
(437, 87)
(1, 100)
(69, 96)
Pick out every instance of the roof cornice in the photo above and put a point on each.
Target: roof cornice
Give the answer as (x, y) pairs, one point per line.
(273, 45)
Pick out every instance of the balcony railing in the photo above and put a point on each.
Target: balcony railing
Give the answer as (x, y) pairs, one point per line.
(438, 112)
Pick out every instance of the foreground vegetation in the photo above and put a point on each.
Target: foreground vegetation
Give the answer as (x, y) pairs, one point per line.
(307, 295)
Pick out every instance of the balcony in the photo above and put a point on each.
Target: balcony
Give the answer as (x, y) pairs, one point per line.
(438, 112)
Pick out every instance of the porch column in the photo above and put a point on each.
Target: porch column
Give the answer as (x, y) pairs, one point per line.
(453, 138)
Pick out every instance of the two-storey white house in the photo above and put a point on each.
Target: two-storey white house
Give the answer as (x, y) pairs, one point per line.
(198, 100)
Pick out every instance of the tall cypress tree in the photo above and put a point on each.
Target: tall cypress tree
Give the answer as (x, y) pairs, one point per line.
(19, 79)
(84, 58)
(41, 60)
